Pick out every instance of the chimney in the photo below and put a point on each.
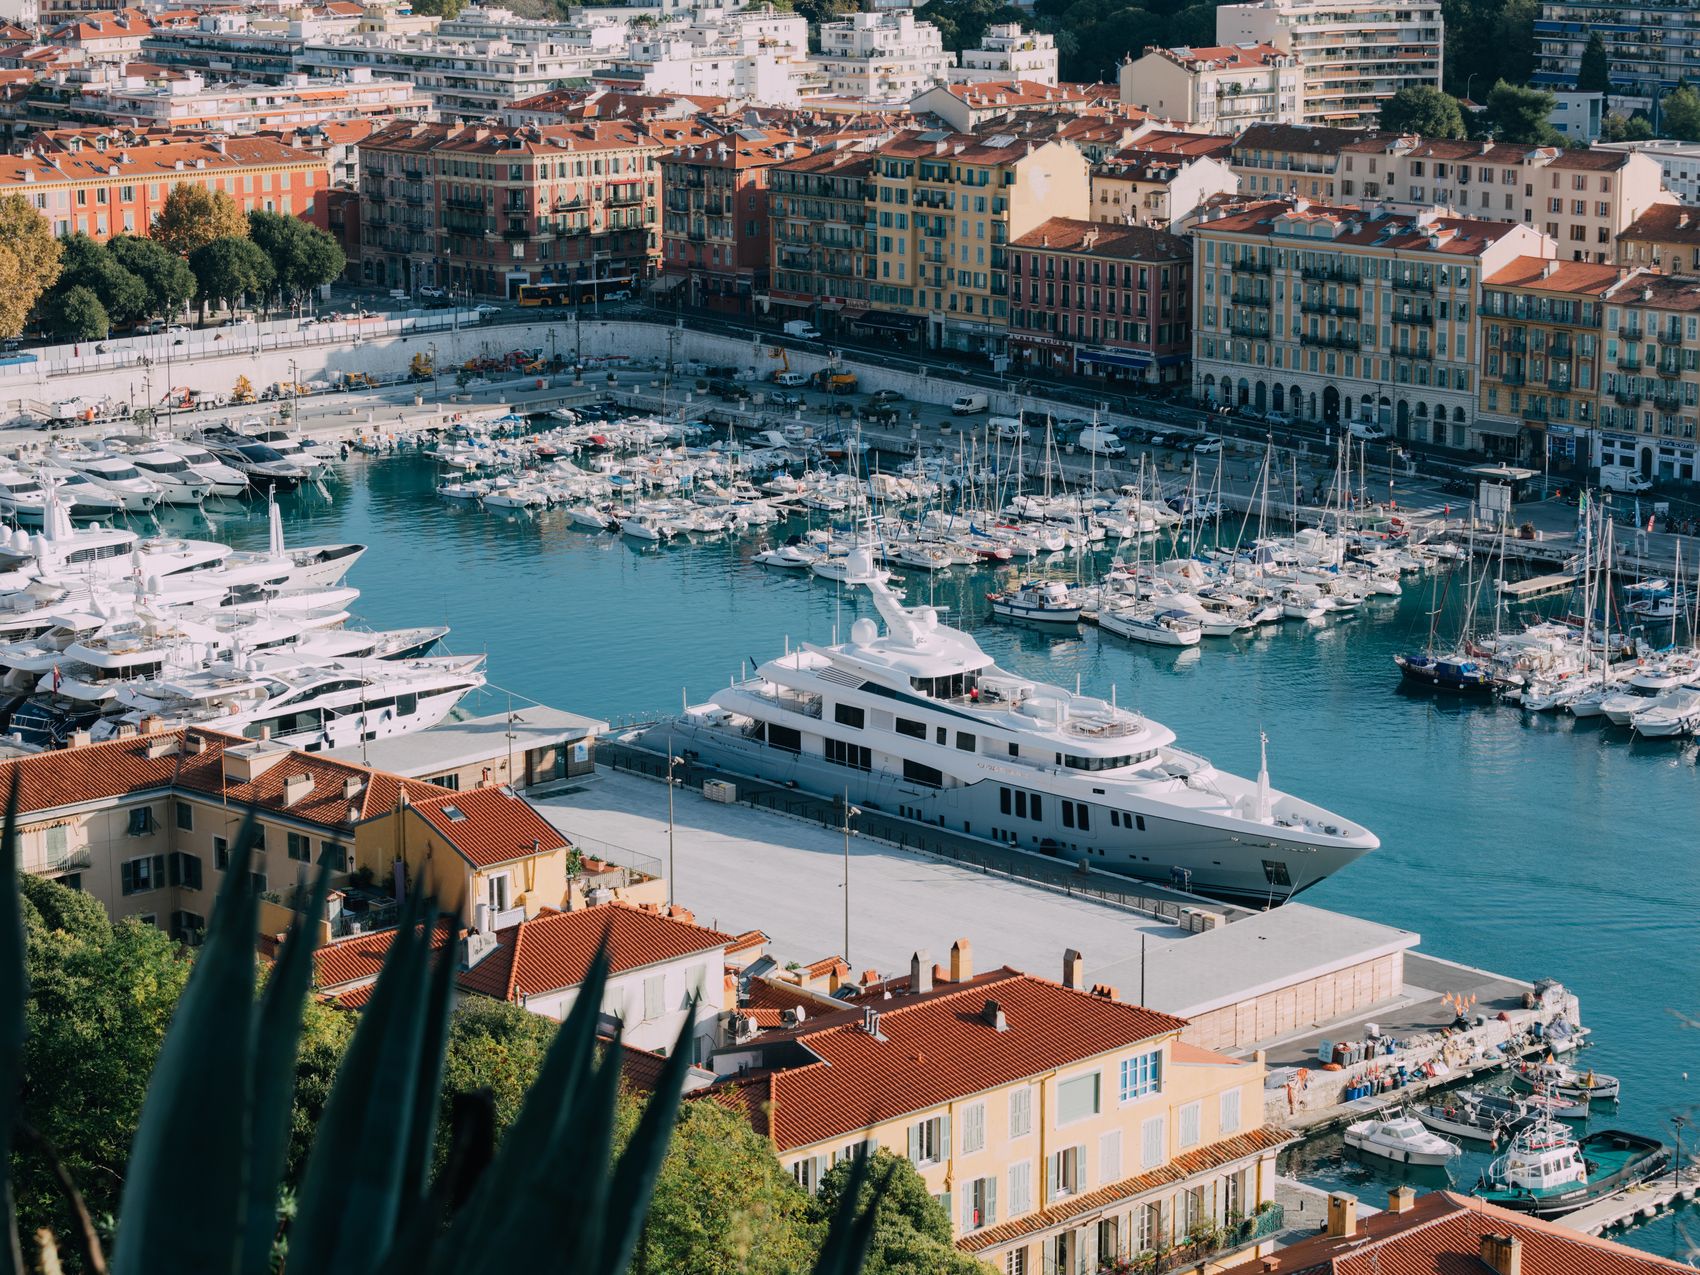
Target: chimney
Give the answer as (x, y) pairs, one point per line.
(921, 972)
(1074, 970)
(1503, 1253)
(296, 787)
(1401, 1199)
(1682, 221)
(1105, 991)
(351, 788)
(992, 1014)
(961, 961)
(871, 1022)
(474, 947)
(1342, 1214)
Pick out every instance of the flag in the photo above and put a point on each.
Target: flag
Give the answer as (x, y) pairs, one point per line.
(58, 677)
(1649, 522)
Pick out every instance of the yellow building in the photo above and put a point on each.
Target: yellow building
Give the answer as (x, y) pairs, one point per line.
(1665, 237)
(944, 207)
(1060, 1128)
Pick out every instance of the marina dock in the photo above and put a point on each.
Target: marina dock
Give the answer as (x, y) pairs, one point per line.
(1640, 1203)
(1533, 587)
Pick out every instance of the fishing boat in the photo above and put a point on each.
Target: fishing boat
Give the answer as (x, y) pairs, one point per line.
(1478, 1117)
(1402, 1139)
(1036, 602)
(1546, 1172)
(1566, 1081)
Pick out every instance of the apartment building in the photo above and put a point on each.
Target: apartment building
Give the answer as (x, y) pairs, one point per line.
(755, 55)
(1650, 376)
(1353, 55)
(105, 182)
(491, 209)
(1063, 1130)
(249, 45)
(1337, 313)
(1679, 160)
(1665, 237)
(1652, 48)
(823, 259)
(1103, 300)
(1140, 187)
(106, 95)
(715, 240)
(1006, 52)
(1294, 159)
(1223, 89)
(881, 58)
(1542, 339)
(946, 207)
(114, 37)
(987, 104)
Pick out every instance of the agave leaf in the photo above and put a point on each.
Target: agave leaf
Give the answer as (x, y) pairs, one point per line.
(183, 1204)
(350, 1195)
(640, 1164)
(14, 995)
(277, 1040)
(433, 1047)
(851, 1232)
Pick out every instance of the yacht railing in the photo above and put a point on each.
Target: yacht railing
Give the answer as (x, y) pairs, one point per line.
(792, 701)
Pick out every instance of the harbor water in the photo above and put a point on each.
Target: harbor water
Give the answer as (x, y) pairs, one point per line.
(1536, 846)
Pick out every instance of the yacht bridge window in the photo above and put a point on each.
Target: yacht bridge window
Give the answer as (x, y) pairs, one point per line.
(849, 715)
(913, 729)
(951, 686)
(1104, 763)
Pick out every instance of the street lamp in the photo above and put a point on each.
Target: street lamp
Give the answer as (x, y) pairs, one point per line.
(436, 394)
(1677, 1123)
(850, 812)
(672, 761)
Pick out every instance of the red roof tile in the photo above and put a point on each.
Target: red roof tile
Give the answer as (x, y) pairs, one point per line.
(358, 960)
(488, 826)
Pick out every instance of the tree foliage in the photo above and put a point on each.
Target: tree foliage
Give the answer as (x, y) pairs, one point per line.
(1424, 110)
(1518, 114)
(912, 1231)
(88, 263)
(29, 261)
(1617, 127)
(1594, 74)
(228, 269)
(167, 277)
(76, 314)
(193, 217)
(961, 23)
(1679, 113)
(302, 255)
(1488, 40)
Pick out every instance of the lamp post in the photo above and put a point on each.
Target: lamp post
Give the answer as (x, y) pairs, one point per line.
(436, 393)
(1677, 1123)
(672, 761)
(850, 812)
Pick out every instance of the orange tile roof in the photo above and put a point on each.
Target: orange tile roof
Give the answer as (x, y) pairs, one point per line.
(936, 1048)
(186, 160)
(1217, 1155)
(1441, 1234)
(1361, 228)
(1666, 223)
(553, 950)
(1545, 275)
(358, 959)
(1235, 57)
(488, 826)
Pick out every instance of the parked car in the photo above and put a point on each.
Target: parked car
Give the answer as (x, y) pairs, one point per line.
(885, 396)
(785, 398)
(487, 310)
(432, 293)
(1208, 446)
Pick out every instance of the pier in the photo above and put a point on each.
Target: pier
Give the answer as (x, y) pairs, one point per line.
(1640, 1203)
(1533, 587)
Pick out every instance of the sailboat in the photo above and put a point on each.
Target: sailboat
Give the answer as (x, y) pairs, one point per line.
(1456, 671)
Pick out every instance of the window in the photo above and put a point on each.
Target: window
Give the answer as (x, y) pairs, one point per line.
(1110, 1157)
(1141, 1075)
(141, 821)
(928, 1140)
(185, 816)
(915, 730)
(855, 756)
(849, 715)
(188, 928)
(654, 997)
(138, 876)
(259, 838)
(1066, 1173)
(916, 773)
(980, 1204)
(974, 1128)
(185, 870)
(1020, 1188)
(221, 853)
(964, 741)
(1229, 1121)
(1021, 1112)
(1077, 1098)
(808, 1172)
(299, 848)
(1003, 801)
(1188, 1127)
(1152, 1151)
(784, 738)
(335, 854)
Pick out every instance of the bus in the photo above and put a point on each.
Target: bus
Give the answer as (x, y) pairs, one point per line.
(572, 292)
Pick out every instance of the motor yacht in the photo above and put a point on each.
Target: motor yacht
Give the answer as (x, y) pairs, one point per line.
(177, 481)
(80, 494)
(21, 496)
(1403, 1139)
(1151, 623)
(221, 479)
(116, 473)
(1036, 602)
(920, 722)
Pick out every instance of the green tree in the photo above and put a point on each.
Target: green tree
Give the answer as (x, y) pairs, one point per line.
(29, 261)
(495, 1046)
(961, 23)
(76, 314)
(1517, 114)
(1513, 41)
(302, 255)
(439, 8)
(88, 263)
(101, 996)
(1679, 110)
(226, 270)
(193, 217)
(1594, 75)
(1423, 110)
(912, 1231)
(169, 281)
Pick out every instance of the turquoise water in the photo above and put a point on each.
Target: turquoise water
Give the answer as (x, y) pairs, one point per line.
(1529, 845)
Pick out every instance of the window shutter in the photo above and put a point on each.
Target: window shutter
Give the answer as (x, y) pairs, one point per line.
(914, 1144)
(991, 1217)
(1230, 1111)
(158, 869)
(1050, 1178)
(1110, 1157)
(822, 1164)
(967, 1208)
(1082, 1179)
(126, 879)
(1151, 1150)
(945, 1144)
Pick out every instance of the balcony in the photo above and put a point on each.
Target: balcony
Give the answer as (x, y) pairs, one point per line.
(567, 205)
(1207, 1243)
(1329, 274)
(1562, 384)
(471, 203)
(1333, 341)
(1415, 318)
(1669, 369)
(1668, 337)
(1414, 285)
(1628, 398)
(1242, 297)
(1667, 401)
(1516, 343)
(1249, 327)
(1250, 265)
(1628, 363)
(516, 232)
(414, 174)
(625, 198)
(1330, 308)
(1535, 412)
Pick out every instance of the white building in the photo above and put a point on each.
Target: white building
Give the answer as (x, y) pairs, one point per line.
(882, 58)
(1007, 52)
(1224, 89)
(1354, 54)
(759, 56)
(1680, 162)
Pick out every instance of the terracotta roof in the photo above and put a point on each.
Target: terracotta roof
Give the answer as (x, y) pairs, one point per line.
(1173, 142)
(768, 999)
(1217, 1155)
(1544, 275)
(517, 140)
(936, 1047)
(1360, 228)
(746, 941)
(1592, 161)
(553, 950)
(639, 1068)
(488, 826)
(1314, 139)
(1666, 223)
(185, 160)
(1441, 1234)
(1104, 239)
(358, 960)
(996, 94)
(1227, 57)
(969, 148)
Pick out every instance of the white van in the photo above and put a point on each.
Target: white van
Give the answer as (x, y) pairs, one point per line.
(1004, 426)
(1100, 442)
(968, 404)
(1369, 431)
(790, 378)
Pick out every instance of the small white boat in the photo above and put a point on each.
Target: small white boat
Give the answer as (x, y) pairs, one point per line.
(1143, 622)
(1673, 713)
(793, 555)
(1566, 1081)
(1403, 1140)
(1037, 601)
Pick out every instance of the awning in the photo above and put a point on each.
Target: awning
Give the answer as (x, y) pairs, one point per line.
(854, 313)
(1138, 360)
(1173, 360)
(881, 321)
(1502, 429)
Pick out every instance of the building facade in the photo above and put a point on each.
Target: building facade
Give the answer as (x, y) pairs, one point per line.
(1006, 52)
(1665, 237)
(1103, 300)
(1224, 89)
(1651, 48)
(1339, 314)
(1650, 376)
(715, 227)
(1157, 188)
(881, 58)
(823, 260)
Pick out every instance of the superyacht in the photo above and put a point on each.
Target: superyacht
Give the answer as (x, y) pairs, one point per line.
(922, 724)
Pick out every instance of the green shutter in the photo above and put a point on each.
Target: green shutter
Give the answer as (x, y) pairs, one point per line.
(126, 878)
(158, 869)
